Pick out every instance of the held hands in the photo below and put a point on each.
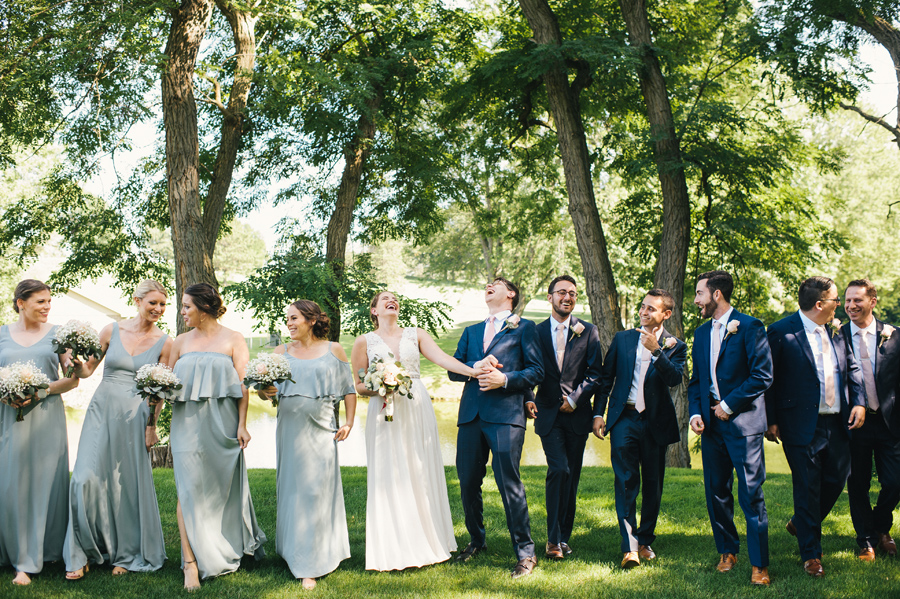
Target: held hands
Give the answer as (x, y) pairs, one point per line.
(490, 378)
(648, 339)
(343, 432)
(243, 437)
(721, 414)
(857, 417)
(600, 428)
(531, 409)
(772, 433)
(697, 425)
(268, 393)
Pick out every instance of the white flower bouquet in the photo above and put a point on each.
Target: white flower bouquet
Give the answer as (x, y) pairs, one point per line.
(156, 383)
(387, 377)
(81, 338)
(20, 382)
(267, 369)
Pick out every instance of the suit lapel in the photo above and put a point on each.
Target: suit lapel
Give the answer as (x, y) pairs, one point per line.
(570, 342)
(503, 330)
(631, 347)
(662, 344)
(478, 330)
(800, 337)
(544, 332)
(879, 326)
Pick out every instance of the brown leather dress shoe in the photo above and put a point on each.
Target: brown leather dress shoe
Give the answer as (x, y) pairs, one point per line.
(727, 561)
(630, 560)
(468, 553)
(813, 567)
(554, 551)
(646, 552)
(887, 544)
(759, 576)
(866, 555)
(524, 567)
(565, 548)
(791, 528)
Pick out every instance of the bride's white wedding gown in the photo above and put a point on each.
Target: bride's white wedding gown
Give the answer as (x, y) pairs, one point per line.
(408, 521)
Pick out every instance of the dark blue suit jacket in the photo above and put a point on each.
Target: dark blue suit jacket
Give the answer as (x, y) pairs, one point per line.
(792, 401)
(517, 350)
(887, 373)
(744, 372)
(579, 377)
(664, 372)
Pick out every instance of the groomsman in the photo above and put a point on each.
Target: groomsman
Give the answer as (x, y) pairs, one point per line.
(876, 346)
(816, 398)
(492, 418)
(732, 370)
(562, 407)
(640, 366)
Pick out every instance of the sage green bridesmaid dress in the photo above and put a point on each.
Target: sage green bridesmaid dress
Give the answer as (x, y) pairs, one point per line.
(34, 467)
(114, 515)
(210, 471)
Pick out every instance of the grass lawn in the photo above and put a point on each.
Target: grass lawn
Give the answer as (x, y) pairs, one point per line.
(685, 567)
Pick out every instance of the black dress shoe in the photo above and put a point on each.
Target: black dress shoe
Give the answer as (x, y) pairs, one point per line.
(468, 553)
(524, 567)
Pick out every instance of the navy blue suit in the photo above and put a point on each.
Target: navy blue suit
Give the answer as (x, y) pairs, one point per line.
(817, 447)
(734, 446)
(879, 436)
(564, 434)
(638, 441)
(494, 421)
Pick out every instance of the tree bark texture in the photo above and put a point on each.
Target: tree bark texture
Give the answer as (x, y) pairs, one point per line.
(599, 282)
(671, 265)
(193, 256)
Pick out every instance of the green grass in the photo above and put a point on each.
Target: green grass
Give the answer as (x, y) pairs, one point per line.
(685, 568)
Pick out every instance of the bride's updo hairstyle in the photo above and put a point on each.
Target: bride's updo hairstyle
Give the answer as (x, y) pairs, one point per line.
(148, 286)
(374, 303)
(207, 299)
(25, 289)
(313, 313)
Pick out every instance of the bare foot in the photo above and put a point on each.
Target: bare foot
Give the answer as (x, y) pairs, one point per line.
(77, 574)
(22, 579)
(191, 576)
(309, 583)
(119, 570)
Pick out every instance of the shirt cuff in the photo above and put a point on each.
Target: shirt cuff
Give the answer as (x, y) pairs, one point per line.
(725, 408)
(694, 416)
(505, 381)
(597, 416)
(571, 403)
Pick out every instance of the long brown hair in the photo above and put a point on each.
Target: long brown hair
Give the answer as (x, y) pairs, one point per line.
(312, 312)
(374, 303)
(25, 289)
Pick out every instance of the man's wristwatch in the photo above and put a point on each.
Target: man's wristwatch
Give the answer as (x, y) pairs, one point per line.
(656, 352)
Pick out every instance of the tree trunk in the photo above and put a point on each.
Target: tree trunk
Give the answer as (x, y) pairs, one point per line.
(671, 265)
(599, 282)
(193, 257)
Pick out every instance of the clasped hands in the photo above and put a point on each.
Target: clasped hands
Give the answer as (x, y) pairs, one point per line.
(487, 373)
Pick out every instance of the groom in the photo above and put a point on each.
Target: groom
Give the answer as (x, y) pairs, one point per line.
(492, 418)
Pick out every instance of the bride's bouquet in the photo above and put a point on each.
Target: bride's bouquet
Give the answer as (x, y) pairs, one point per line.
(267, 369)
(387, 377)
(81, 338)
(20, 381)
(156, 383)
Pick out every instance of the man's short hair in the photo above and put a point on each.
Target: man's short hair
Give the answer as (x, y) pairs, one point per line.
(557, 280)
(867, 285)
(719, 280)
(813, 290)
(667, 299)
(512, 287)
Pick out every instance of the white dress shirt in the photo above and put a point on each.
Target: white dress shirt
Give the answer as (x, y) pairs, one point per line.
(567, 324)
(636, 374)
(723, 329)
(815, 343)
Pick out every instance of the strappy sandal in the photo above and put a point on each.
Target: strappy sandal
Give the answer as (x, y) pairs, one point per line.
(186, 587)
(79, 573)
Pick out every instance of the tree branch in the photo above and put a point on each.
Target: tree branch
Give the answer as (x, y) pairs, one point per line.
(216, 100)
(874, 119)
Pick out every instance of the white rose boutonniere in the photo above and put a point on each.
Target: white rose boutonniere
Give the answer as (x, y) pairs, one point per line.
(670, 342)
(731, 328)
(834, 326)
(577, 330)
(511, 323)
(886, 333)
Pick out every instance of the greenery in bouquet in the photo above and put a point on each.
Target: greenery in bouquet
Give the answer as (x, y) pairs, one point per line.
(20, 382)
(156, 383)
(81, 338)
(266, 370)
(388, 378)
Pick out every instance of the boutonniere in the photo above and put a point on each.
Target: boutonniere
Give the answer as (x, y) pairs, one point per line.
(885, 334)
(731, 328)
(834, 326)
(670, 342)
(511, 323)
(577, 330)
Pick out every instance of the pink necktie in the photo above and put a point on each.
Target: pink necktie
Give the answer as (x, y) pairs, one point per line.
(639, 396)
(489, 332)
(714, 357)
(827, 366)
(560, 345)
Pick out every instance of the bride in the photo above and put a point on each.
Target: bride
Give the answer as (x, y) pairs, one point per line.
(407, 511)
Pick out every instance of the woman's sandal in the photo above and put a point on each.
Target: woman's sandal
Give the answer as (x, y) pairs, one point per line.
(78, 574)
(191, 588)
(119, 571)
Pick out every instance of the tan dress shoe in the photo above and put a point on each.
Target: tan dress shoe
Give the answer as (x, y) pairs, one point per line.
(759, 576)
(866, 555)
(813, 567)
(792, 530)
(646, 552)
(554, 551)
(630, 560)
(727, 561)
(565, 548)
(887, 544)
(524, 567)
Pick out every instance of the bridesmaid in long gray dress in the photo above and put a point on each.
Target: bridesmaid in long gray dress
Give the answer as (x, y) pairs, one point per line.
(114, 515)
(311, 533)
(216, 520)
(34, 455)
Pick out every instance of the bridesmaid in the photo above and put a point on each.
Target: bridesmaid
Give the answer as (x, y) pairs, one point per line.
(113, 511)
(311, 534)
(216, 520)
(34, 455)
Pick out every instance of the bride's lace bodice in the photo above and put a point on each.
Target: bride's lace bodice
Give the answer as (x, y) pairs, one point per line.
(409, 350)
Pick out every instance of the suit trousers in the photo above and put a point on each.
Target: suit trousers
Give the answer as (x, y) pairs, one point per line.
(564, 449)
(725, 455)
(504, 442)
(818, 472)
(637, 464)
(873, 438)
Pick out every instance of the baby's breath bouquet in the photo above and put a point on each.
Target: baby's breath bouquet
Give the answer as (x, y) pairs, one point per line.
(267, 369)
(156, 383)
(22, 381)
(387, 377)
(81, 338)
